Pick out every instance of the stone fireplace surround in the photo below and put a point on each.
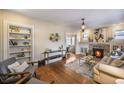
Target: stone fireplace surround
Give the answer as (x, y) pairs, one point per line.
(100, 46)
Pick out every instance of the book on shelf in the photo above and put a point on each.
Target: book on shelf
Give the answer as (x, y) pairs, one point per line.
(11, 42)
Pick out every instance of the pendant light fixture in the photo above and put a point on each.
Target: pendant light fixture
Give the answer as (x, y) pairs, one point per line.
(82, 25)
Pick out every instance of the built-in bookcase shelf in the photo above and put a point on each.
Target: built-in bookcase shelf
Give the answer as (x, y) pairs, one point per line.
(19, 39)
(19, 46)
(20, 42)
(20, 33)
(19, 58)
(19, 52)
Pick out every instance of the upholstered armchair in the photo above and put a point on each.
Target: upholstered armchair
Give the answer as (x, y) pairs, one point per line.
(7, 77)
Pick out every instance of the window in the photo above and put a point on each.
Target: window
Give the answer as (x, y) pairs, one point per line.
(119, 34)
(85, 37)
(70, 40)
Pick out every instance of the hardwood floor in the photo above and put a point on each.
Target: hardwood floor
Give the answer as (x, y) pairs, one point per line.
(59, 74)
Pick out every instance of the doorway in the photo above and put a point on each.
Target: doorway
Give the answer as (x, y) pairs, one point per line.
(71, 42)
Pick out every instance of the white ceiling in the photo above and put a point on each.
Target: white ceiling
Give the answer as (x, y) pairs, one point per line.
(72, 17)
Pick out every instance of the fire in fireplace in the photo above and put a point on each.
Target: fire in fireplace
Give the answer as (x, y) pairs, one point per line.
(98, 53)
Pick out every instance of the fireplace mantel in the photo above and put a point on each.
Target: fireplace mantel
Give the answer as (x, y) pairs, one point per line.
(102, 43)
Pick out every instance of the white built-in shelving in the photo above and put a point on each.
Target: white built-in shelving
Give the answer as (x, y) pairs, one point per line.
(20, 42)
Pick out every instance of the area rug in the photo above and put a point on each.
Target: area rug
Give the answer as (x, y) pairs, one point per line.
(81, 68)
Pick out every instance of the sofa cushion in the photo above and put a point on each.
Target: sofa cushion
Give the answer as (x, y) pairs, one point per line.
(111, 70)
(116, 62)
(106, 60)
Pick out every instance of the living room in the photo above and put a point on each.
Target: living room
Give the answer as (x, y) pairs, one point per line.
(69, 46)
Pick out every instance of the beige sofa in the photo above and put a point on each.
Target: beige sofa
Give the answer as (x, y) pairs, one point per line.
(108, 73)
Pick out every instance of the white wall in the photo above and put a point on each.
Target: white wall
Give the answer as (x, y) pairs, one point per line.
(42, 30)
(1, 48)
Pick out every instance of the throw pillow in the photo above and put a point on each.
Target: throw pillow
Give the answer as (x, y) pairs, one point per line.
(117, 63)
(109, 60)
(121, 57)
(21, 68)
(104, 59)
(10, 67)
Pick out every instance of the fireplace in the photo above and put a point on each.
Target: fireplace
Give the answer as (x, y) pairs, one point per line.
(98, 53)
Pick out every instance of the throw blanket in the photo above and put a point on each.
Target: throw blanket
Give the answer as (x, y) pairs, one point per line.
(72, 58)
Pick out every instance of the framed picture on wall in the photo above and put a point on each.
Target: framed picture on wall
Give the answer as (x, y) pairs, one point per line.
(99, 35)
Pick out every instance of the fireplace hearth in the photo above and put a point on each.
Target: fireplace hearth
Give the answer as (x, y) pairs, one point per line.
(98, 53)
